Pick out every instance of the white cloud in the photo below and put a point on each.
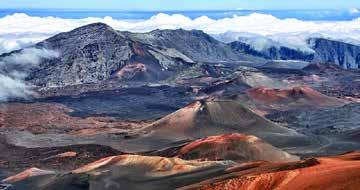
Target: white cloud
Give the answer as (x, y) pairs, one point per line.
(13, 41)
(12, 88)
(29, 57)
(14, 68)
(19, 30)
(354, 11)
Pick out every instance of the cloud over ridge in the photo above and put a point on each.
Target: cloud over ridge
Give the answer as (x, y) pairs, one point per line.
(19, 30)
(14, 68)
(259, 30)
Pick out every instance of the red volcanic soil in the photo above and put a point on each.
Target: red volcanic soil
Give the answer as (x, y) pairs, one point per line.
(153, 172)
(32, 172)
(148, 167)
(148, 164)
(143, 173)
(41, 118)
(236, 147)
(296, 95)
(216, 117)
(138, 49)
(327, 173)
(123, 172)
(131, 70)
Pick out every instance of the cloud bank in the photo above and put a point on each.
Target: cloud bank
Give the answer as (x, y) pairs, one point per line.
(14, 68)
(354, 11)
(20, 30)
(259, 30)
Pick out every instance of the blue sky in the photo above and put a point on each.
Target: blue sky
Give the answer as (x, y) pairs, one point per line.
(181, 4)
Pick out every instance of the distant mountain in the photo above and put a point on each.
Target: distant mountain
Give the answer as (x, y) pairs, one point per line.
(272, 53)
(96, 53)
(329, 51)
(195, 44)
(325, 51)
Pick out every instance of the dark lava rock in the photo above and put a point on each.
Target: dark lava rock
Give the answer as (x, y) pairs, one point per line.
(273, 53)
(343, 54)
(96, 52)
(6, 187)
(325, 51)
(195, 44)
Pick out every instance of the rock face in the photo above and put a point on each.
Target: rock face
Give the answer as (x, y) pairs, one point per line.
(96, 53)
(273, 53)
(325, 51)
(195, 44)
(329, 51)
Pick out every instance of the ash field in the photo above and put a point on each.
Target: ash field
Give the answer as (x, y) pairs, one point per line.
(98, 108)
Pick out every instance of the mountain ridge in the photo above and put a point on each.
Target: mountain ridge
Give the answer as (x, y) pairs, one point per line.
(97, 53)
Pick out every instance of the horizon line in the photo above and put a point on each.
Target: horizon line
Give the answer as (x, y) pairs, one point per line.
(174, 10)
